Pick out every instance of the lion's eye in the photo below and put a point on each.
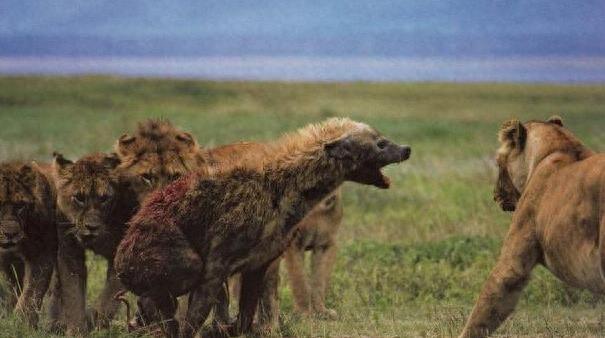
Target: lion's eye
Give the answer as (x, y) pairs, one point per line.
(175, 176)
(147, 179)
(79, 199)
(103, 199)
(382, 144)
(20, 208)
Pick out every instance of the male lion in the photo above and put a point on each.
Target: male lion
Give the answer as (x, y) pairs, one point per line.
(195, 233)
(155, 155)
(556, 188)
(28, 237)
(93, 210)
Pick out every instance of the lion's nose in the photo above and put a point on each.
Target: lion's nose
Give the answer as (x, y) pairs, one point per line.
(92, 226)
(11, 235)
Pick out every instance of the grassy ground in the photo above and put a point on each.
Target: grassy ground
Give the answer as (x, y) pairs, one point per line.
(412, 258)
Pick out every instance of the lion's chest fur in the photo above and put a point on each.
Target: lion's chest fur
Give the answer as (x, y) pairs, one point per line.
(568, 217)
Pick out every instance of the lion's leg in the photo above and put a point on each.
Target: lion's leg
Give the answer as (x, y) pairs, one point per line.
(38, 272)
(268, 316)
(107, 305)
(72, 272)
(295, 264)
(322, 262)
(54, 306)
(12, 271)
(503, 287)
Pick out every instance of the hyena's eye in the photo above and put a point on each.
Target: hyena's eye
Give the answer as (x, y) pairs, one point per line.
(382, 144)
(78, 199)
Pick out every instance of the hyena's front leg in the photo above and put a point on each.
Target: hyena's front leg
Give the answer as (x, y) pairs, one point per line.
(201, 301)
(322, 262)
(268, 316)
(36, 279)
(107, 305)
(503, 287)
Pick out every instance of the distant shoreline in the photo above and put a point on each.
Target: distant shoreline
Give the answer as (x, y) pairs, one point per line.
(322, 69)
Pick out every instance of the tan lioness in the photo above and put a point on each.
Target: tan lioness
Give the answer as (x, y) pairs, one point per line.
(556, 188)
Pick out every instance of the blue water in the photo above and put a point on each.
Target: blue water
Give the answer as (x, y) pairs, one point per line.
(281, 68)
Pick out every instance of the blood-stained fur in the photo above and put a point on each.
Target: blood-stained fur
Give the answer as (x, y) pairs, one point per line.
(556, 188)
(28, 237)
(195, 233)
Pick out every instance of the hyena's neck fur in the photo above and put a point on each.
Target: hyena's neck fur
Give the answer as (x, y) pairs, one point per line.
(300, 181)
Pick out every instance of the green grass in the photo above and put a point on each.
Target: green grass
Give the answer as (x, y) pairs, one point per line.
(412, 258)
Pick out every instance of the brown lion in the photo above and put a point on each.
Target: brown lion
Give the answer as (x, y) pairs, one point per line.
(28, 237)
(556, 188)
(190, 236)
(93, 210)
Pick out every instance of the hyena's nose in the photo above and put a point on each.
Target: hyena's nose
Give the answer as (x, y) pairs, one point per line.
(406, 151)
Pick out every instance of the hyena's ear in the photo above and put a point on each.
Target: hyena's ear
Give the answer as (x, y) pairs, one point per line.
(111, 161)
(513, 134)
(125, 145)
(555, 119)
(61, 164)
(340, 149)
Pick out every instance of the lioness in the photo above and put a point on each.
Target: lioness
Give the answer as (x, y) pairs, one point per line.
(93, 210)
(28, 238)
(556, 188)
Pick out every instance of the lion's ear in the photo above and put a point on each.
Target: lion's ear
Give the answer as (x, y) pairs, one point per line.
(61, 164)
(125, 145)
(111, 161)
(186, 138)
(513, 133)
(555, 119)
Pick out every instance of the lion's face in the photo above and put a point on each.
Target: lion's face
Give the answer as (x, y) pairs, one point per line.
(18, 203)
(86, 193)
(155, 156)
(521, 147)
(367, 152)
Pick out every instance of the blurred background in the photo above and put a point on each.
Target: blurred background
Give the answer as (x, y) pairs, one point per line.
(441, 76)
(419, 40)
